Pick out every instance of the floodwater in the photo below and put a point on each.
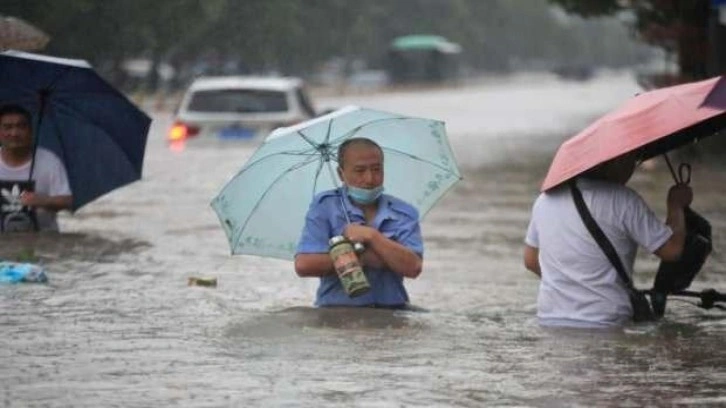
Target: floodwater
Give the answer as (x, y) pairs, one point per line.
(117, 325)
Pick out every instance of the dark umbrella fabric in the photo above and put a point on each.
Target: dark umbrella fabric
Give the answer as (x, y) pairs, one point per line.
(94, 129)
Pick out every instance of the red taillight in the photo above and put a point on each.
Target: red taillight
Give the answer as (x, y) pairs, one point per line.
(181, 131)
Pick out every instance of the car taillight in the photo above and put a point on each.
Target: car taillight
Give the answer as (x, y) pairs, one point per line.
(181, 131)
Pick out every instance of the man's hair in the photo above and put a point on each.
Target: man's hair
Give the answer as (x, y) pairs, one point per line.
(356, 141)
(608, 170)
(16, 110)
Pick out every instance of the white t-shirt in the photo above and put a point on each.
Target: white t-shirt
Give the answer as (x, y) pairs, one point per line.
(50, 178)
(579, 285)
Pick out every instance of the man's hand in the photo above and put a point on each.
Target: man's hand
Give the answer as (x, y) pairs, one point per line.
(531, 260)
(680, 196)
(384, 252)
(360, 233)
(30, 199)
(56, 203)
(365, 235)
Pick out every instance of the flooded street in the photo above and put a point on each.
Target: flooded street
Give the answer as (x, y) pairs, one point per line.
(117, 325)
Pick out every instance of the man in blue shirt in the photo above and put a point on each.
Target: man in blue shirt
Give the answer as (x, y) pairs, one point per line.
(387, 226)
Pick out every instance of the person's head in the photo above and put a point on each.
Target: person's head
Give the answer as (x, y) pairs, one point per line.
(15, 127)
(617, 170)
(360, 168)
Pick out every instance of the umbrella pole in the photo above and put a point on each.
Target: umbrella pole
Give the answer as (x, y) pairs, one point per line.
(340, 194)
(43, 96)
(358, 246)
(670, 167)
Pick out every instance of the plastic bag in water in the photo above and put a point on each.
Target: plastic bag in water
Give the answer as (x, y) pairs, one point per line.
(12, 272)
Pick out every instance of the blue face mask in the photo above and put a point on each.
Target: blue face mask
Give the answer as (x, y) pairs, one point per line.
(364, 196)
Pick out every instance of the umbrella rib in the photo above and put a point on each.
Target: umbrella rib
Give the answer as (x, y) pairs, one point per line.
(273, 155)
(335, 184)
(290, 169)
(359, 127)
(327, 133)
(66, 162)
(418, 159)
(307, 139)
(313, 152)
(57, 78)
(356, 129)
(317, 174)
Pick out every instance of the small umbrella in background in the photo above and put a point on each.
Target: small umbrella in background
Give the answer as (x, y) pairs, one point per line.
(94, 129)
(653, 122)
(18, 34)
(262, 209)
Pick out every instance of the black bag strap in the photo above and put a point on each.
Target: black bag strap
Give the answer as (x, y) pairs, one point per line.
(602, 240)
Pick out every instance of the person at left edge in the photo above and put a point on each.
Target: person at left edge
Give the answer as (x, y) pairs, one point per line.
(52, 191)
(387, 226)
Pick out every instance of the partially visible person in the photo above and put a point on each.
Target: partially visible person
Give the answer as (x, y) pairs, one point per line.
(579, 287)
(51, 192)
(387, 226)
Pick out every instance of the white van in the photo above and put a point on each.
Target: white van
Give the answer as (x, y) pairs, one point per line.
(239, 108)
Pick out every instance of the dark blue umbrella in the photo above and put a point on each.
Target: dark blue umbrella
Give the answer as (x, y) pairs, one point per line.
(94, 129)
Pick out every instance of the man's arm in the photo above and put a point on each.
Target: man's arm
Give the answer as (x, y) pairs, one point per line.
(312, 258)
(386, 252)
(531, 259)
(679, 197)
(313, 265)
(50, 203)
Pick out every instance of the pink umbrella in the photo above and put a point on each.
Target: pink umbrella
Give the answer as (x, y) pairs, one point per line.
(654, 122)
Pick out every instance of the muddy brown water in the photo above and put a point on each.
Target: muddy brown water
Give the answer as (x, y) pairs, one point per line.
(117, 325)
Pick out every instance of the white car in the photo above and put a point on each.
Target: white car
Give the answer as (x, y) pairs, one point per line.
(239, 108)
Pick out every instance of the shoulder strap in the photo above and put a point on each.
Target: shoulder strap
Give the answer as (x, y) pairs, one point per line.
(602, 240)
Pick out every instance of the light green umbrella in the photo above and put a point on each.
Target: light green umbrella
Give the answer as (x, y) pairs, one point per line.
(262, 209)
(425, 42)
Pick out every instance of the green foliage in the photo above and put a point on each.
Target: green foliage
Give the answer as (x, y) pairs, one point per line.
(677, 26)
(297, 36)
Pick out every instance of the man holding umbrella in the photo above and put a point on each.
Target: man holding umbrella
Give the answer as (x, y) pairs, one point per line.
(586, 225)
(579, 286)
(387, 226)
(51, 192)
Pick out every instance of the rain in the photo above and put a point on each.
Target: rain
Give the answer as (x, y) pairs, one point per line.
(118, 323)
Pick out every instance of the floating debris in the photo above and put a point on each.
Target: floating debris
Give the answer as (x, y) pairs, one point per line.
(208, 282)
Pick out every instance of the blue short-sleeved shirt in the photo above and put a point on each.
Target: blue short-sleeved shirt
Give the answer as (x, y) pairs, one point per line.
(395, 219)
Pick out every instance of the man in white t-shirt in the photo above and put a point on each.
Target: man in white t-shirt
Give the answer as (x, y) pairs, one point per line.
(51, 192)
(579, 286)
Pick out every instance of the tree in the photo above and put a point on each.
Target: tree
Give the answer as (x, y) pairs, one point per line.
(677, 26)
(296, 37)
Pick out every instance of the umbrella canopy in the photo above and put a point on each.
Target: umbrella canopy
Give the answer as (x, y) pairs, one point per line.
(653, 122)
(98, 134)
(18, 34)
(425, 42)
(262, 209)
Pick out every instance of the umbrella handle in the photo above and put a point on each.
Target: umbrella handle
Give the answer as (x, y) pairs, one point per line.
(684, 171)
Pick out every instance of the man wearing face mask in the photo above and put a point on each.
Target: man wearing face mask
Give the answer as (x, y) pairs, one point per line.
(387, 226)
